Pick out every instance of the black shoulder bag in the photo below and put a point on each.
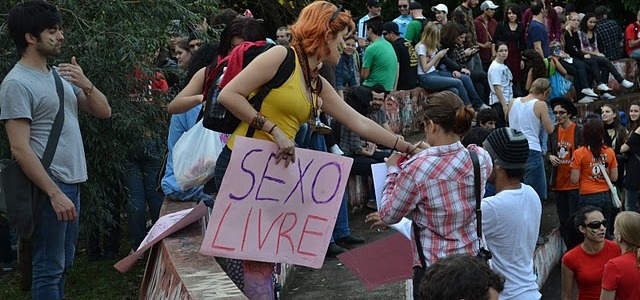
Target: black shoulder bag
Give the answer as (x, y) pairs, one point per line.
(23, 200)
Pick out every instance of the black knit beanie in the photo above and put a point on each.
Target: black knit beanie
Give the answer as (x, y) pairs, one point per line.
(508, 148)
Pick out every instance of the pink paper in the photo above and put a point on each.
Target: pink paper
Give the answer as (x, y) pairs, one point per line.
(165, 226)
(383, 261)
(266, 212)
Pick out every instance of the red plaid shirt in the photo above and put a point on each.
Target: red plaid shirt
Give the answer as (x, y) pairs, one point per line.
(436, 188)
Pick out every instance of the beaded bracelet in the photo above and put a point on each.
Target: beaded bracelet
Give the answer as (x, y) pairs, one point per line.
(258, 121)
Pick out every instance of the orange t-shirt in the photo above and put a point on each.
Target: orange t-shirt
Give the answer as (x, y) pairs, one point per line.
(566, 147)
(591, 179)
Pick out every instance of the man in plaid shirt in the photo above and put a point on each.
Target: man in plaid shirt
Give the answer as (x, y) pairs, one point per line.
(609, 34)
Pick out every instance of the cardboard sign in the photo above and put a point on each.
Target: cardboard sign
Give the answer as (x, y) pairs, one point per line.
(165, 226)
(266, 212)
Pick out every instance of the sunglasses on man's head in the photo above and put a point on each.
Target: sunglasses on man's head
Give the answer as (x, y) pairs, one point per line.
(597, 224)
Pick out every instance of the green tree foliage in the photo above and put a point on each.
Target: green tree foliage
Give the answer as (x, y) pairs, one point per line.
(109, 39)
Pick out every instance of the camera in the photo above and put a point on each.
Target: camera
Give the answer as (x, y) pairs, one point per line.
(484, 254)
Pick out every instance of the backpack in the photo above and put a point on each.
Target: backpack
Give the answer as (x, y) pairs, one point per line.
(215, 115)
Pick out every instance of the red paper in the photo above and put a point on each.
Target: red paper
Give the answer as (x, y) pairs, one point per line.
(383, 261)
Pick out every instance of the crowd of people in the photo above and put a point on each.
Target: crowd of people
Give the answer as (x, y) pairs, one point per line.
(509, 78)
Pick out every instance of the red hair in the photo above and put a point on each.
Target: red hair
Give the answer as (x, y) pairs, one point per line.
(310, 29)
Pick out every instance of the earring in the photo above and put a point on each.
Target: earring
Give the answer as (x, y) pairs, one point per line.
(327, 52)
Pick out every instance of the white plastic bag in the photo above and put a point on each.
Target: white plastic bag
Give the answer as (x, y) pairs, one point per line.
(195, 155)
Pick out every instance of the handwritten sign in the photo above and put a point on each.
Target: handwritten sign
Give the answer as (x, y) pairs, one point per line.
(266, 212)
(164, 227)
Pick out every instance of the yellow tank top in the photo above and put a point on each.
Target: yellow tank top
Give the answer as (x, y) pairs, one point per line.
(286, 106)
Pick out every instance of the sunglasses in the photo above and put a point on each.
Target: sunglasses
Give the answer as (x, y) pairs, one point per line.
(597, 224)
(403, 6)
(335, 14)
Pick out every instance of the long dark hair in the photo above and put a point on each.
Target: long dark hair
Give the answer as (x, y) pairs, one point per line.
(450, 32)
(583, 23)
(621, 132)
(249, 29)
(533, 61)
(516, 9)
(592, 134)
(633, 125)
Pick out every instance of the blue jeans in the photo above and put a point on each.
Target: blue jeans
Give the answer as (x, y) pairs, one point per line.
(474, 98)
(534, 175)
(631, 200)
(635, 54)
(342, 222)
(439, 81)
(601, 200)
(54, 246)
(141, 181)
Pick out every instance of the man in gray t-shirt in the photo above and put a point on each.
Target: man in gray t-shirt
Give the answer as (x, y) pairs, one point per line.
(28, 106)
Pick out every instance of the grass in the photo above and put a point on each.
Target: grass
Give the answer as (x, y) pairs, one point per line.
(87, 280)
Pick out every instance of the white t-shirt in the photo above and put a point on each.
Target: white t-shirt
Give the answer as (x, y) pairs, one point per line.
(522, 116)
(362, 27)
(499, 74)
(510, 222)
(421, 49)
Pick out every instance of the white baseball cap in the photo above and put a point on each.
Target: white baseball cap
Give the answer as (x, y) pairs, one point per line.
(440, 7)
(488, 5)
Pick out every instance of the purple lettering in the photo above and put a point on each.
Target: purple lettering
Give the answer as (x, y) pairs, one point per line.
(335, 191)
(253, 177)
(264, 176)
(301, 173)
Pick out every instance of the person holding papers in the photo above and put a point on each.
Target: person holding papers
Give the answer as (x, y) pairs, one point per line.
(436, 186)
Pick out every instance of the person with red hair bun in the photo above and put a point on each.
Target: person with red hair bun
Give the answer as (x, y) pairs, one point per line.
(318, 36)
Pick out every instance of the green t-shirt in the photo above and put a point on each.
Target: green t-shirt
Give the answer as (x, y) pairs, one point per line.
(414, 31)
(381, 60)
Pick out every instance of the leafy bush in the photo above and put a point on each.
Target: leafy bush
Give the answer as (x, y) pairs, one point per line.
(109, 39)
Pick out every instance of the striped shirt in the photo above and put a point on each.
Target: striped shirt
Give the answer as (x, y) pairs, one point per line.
(436, 188)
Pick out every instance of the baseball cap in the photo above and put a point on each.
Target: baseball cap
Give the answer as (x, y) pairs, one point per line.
(375, 3)
(415, 5)
(508, 148)
(440, 7)
(391, 27)
(488, 5)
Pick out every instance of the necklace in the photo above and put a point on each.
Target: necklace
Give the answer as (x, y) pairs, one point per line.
(311, 79)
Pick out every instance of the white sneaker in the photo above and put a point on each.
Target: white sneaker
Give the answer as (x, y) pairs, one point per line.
(585, 100)
(589, 92)
(627, 84)
(336, 150)
(603, 87)
(608, 96)
(483, 107)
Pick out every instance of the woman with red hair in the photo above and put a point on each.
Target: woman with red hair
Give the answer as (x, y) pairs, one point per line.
(318, 36)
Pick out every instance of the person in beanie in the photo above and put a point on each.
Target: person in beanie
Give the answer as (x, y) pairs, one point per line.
(511, 218)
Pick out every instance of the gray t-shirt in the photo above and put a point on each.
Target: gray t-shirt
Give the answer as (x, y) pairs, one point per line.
(27, 93)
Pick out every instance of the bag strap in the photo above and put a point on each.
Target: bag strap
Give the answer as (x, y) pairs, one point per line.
(282, 75)
(56, 129)
(477, 189)
(606, 176)
(416, 236)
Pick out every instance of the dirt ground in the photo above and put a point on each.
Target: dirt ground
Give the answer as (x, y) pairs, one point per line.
(335, 281)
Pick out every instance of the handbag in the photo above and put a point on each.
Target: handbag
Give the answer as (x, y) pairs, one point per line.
(21, 198)
(615, 199)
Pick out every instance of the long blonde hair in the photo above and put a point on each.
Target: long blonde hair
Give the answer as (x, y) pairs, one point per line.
(430, 36)
(628, 225)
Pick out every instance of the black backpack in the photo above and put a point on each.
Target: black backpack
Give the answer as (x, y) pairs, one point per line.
(215, 116)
